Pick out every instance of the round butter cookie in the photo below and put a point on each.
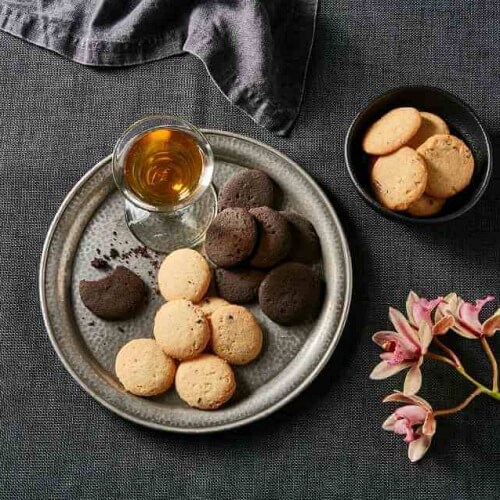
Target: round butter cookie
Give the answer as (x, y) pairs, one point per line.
(180, 328)
(143, 368)
(205, 382)
(210, 304)
(431, 125)
(399, 179)
(184, 274)
(426, 206)
(392, 131)
(236, 335)
(450, 165)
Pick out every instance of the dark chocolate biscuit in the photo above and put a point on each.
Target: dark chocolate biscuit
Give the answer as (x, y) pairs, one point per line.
(275, 238)
(231, 237)
(239, 285)
(290, 294)
(247, 189)
(305, 242)
(120, 295)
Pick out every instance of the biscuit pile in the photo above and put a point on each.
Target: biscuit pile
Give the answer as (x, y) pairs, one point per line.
(417, 164)
(263, 253)
(184, 327)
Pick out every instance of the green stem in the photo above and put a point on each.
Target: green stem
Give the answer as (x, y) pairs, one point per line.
(460, 369)
(493, 361)
(460, 407)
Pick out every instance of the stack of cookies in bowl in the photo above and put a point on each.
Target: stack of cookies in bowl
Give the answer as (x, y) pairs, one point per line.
(416, 164)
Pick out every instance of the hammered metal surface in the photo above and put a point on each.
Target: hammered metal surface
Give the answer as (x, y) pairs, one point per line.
(92, 220)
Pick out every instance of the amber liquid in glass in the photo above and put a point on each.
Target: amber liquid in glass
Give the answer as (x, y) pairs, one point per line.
(163, 167)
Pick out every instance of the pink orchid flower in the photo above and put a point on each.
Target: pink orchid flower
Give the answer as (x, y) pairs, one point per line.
(415, 421)
(420, 309)
(404, 348)
(466, 316)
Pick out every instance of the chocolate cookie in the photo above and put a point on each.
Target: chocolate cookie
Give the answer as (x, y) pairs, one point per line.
(231, 237)
(290, 294)
(120, 295)
(305, 242)
(239, 285)
(275, 238)
(247, 189)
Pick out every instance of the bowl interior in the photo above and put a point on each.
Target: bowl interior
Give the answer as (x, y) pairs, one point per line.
(462, 123)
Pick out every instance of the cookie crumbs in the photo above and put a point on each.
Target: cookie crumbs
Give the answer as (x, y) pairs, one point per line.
(114, 253)
(98, 263)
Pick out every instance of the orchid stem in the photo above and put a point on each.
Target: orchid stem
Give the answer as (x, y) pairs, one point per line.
(493, 361)
(448, 351)
(438, 357)
(460, 369)
(461, 406)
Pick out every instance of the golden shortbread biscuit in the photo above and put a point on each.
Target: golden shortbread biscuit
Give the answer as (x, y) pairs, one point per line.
(143, 368)
(184, 274)
(236, 335)
(426, 206)
(210, 304)
(205, 382)
(431, 125)
(450, 165)
(181, 329)
(399, 179)
(392, 131)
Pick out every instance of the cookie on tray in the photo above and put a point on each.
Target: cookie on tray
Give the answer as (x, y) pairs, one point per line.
(399, 179)
(205, 382)
(119, 295)
(181, 329)
(184, 274)
(143, 368)
(306, 247)
(210, 304)
(450, 165)
(236, 335)
(275, 238)
(247, 189)
(392, 131)
(290, 294)
(431, 125)
(231, 237)
(239, 285)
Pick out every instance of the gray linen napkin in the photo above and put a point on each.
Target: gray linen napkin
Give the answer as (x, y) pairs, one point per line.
(256, 51)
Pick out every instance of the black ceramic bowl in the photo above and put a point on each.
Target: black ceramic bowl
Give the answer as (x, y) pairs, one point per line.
(462, 122)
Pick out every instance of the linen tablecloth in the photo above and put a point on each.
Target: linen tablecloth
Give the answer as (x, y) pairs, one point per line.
(58, 118)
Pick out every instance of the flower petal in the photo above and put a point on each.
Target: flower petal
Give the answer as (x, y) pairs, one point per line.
(447, 307)
(418, 448)
(492, 324)
(442, 325)
(413, 380)
(410, 301)
(398, 396)
(389, 422)
(403, 327)
(429, 427)
(468, 314)
(414, 413)
(425, 334)
(384, 336)
(385, 370)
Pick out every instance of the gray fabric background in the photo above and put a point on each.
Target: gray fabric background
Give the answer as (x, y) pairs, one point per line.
(256, 51)
(58, 118)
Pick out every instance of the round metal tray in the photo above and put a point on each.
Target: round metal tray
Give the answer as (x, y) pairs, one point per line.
(91, 218)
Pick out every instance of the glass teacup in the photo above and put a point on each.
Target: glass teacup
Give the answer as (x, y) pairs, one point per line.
(163, 165)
